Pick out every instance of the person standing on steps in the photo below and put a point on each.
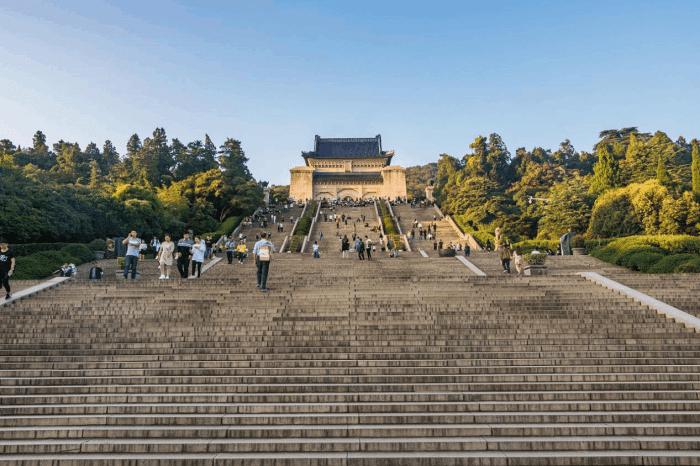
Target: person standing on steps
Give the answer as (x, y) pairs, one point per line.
(230, 248)
(133, 250)
(199, 251)
(360, 248)
(504, 254)
(7, 267)
(345, 246)
(368, 247)
(165, 257)
(314, 248)
(184, 249)
(262, 251)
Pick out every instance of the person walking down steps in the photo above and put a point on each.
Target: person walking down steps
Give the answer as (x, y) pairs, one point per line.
(262, 251)
(7, 267)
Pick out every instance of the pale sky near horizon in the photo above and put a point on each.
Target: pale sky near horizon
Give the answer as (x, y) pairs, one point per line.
(427, 76)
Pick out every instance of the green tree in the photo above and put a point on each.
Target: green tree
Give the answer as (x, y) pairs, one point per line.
(661, 172)
(568, 209)
(695, 167)
(605, 171)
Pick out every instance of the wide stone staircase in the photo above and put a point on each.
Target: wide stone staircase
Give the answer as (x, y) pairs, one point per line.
(406, 214)
(395, 361)
(681, 290)
(330, 244)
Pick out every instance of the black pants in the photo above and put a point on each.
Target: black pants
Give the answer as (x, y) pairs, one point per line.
(6, 282)
(506, 264)
(198, 267)
(229, 256)
(361, 255)
(263, 269)
(369, 254)
(183, 265)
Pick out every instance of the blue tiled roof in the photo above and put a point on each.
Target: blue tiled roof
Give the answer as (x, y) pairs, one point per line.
(343, 148)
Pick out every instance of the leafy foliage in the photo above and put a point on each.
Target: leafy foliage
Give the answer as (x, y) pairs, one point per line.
(656, 254)
(72, 195)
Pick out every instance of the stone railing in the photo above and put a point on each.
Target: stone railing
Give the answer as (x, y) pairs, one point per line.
(473, 244)
(308, 237)
(379, 218)
(297, 221)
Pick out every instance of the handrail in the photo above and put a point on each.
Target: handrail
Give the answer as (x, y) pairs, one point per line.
(284, 243)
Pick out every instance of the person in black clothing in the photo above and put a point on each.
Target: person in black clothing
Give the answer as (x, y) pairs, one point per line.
(7, 267)
(184, 250)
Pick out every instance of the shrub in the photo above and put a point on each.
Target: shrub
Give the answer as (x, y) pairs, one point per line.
(227, 226)
(670, 263)
(535, 259)
(650, 253)
(690, 266)
(304, 224)
(42, 264)
(81, 252)
(295, 243)
(388, 223)
(530, 245)
(641, 261)
(97, 245)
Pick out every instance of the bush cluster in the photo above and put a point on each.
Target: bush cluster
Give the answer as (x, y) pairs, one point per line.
(388, 223)
(543, 245)
(304, 224)
(652, 253)
(44, 263)
(296, 242)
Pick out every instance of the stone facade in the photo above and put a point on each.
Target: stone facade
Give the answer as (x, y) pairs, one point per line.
(341, 168)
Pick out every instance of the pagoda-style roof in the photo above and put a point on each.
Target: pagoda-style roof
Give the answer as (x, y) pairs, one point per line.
(348, 177)
(348, 148)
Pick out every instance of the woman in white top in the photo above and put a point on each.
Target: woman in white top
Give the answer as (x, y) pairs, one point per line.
(199, 248)
(165, 257)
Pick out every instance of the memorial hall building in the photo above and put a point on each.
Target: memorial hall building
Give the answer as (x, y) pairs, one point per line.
(347, 168)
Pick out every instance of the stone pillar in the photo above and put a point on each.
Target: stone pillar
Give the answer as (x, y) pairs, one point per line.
(301, 186)
(429, 193)
(266, 195)
(394, 182)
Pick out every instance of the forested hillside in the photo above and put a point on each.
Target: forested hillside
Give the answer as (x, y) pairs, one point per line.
(64, 192)
(631, 183)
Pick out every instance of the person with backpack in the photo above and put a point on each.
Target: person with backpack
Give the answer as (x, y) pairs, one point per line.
(262, 251)
(360, 248)
(7, 266)
(368, 247)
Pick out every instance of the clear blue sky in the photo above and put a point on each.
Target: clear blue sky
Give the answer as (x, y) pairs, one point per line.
(428, 76)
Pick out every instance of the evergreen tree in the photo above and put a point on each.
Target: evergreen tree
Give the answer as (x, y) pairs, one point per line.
(95, 174)
(661, 172)
(605, 171)
(110, 157)
(133, 146)
(695, 167)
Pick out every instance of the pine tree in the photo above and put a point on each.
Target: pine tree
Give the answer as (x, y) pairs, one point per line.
(110, 157)
(695, 167)
(661, 172)
(95, 174)
(605, 171)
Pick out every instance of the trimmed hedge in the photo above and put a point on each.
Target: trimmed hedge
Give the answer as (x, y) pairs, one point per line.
(304, 224)
(41, 265)
(652, 253)
(97, 245)
(296, 242)
(388, 222)
(542, 245)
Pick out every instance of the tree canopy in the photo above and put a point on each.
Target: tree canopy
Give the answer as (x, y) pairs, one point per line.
(71, 194)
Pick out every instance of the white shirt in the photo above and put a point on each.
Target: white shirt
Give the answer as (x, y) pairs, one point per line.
(133, 246)
(198, 251)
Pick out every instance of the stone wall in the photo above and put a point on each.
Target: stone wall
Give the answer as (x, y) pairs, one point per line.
(301, 185)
